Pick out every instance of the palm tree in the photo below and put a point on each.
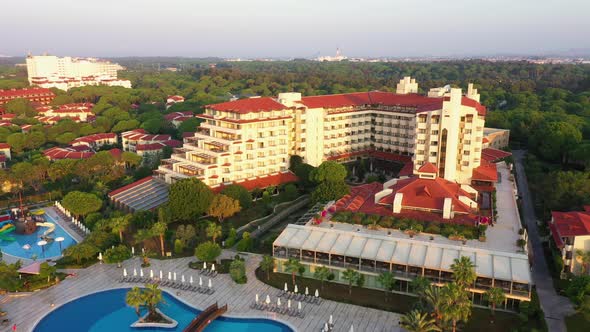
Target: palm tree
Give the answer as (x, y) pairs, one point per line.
(159, 229)
(434, 300)
(415, 321)
(456, 304)
(387, 280)
(583, 257)
(495, 296)
(152, 295)
(463, 271)
(322, 273)
(293, 266)
(351, 276)
(134, 298)
(119, 225)
(267, 264)
(213, 231)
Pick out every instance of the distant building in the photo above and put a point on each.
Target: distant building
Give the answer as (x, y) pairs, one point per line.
(38, 95)
(49, 71)
(77, 112)
(4, 154)
(338, 57)
(95, 141)
(571, 232)
(177, 118)
(496, 138)
(171, 100)
(140, 142)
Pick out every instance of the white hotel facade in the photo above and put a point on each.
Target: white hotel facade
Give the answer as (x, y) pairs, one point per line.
(247, 138)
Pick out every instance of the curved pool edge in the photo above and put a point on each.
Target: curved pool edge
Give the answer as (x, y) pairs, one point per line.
(38, 320)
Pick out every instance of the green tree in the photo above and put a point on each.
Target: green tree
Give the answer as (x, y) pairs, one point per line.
(293, 266)
(351, 276)
(237, 271)
(207, 251)
(387, 281)
(213, 231)
(556, 140)
(583, 257)
(159, 229)
(117, 254)
(322, 273)
(120, 224)
(329, 191)
(456, 306)
(152, 297)
(189, 199)
(17, 142)
(463, 271)
(21, 107)
(47, 271)
(415, 321)
(240, 193)
(433, 298)
(9, 277)
(134, 298)
(496, 297)
(267, 264)
(80, 203)
(223, 206)
(81, 251)
(189, 126)
(328, 171)
(130, 159)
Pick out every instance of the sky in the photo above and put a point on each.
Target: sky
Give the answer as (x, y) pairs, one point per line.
(293, 28)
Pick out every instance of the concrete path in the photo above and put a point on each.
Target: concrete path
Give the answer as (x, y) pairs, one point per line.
(555, 307)
(27, 311)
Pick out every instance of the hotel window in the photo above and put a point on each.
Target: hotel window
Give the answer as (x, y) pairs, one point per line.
(466, 152)
(433, 154)
(434, 132)
(465, 163)
(421, 131)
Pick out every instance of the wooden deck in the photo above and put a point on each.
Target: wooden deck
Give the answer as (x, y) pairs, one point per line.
(28, 310)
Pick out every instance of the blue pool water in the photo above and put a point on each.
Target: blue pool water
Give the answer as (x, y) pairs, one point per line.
(107, 311)
(50, 250)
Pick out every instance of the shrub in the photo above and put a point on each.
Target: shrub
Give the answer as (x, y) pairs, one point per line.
(481, 230)
(358, 218)
(117, 254)
(386, 222)
(372, 178)
(468, 233)
(291, 192)
(178, 246)
(401, 224)
(237, 271)
(102, 240)
(448, 230)
(231, 238)
(208, 251)
(245, 243)
(371, 219)
(432, 228)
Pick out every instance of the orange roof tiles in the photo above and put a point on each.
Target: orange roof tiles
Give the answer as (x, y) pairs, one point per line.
(249, 105)
(428, 168)
(565, 224)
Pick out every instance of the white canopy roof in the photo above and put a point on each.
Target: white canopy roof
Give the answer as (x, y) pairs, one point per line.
(437, 256)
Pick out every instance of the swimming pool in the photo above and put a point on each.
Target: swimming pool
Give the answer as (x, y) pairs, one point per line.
(50, 250)
(107, 311)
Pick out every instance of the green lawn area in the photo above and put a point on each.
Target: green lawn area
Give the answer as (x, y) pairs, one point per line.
(400, 303)
(577, 323)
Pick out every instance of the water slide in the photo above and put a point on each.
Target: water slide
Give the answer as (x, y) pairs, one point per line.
(6, 227)
(50, 227)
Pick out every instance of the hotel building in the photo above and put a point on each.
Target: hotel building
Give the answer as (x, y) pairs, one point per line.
(49, 71)
(37, 95)
(253, 137)
(571, 232)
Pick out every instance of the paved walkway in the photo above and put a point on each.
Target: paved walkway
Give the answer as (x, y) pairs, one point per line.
(26, 311)
(556, 307)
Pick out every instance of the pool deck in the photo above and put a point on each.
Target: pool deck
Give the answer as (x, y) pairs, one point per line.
(26, 311)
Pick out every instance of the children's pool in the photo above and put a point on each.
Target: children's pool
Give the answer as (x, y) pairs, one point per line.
(107, 311)
(14, 244)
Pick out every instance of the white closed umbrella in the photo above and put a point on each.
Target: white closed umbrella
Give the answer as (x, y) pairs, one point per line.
(161, 275)
(100, 256)
(212, 267)
(351, 328)
(257, 298)
(134, 272)
(331, 320)
(174, 276)
(200, 282)
(326, 328)
(296, 290)
(278, 301)
(169, 275)
(191, 280)
(133, 251)
(204, 265)
(286, 288)
(299, 305)
(317, 293)
(210, 283)
(289, 304)
(306, 291)
(267, 299)
(141, 273)
(151, 274)
(182, 279)
(124, 272)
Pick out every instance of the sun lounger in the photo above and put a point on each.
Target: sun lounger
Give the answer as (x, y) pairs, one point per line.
(214, 274)
(300, 314)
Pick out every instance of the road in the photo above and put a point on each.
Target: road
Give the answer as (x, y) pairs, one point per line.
(555, 307)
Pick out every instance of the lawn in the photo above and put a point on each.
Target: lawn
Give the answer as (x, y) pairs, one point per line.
(400, 303)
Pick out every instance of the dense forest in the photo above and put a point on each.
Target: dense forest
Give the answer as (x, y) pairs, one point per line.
(546, 107)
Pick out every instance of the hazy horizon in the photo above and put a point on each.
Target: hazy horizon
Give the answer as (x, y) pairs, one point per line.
(294, 28)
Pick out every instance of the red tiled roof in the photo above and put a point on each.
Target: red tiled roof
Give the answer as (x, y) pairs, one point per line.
(176, 116)
(485, 140)
(188, 134)
(131, 185)
(176, 98)
(66, 153)
(493, 155)
(4, 146)
(116, 153)
(486, 172)
(428, 168)
(93, 138)
(24, 93)
(248, 105)
(370, 98)
(263, 181)
(575, 223)
(428, 194)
